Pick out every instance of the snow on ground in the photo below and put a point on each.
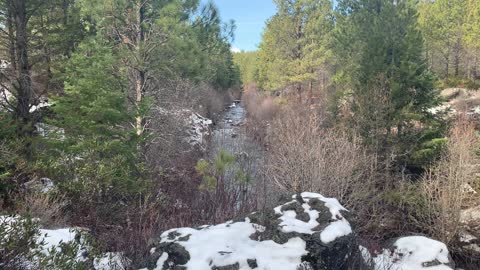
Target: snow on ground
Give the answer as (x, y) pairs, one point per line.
(47, 240)
(40, 105)
(411, 253)
(229, 243)
(110, 261)
(444, 108)
(338, 228)
(53, 238)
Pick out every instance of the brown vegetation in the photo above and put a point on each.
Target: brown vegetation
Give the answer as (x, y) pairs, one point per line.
(444, 185)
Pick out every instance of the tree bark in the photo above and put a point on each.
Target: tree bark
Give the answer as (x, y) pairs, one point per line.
(457, 57)
(475, 68)
(298, 49)
(24, 87)
(139, 73)
(310, 91)
(11, 35)
(447, 66)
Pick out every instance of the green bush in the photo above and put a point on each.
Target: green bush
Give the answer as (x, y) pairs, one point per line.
(21, 247)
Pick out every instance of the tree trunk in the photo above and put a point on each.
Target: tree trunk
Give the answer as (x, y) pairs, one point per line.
(298, 50)
(457, 58)
(310, 91)
(447, 67)
(139, 73)
(298, 87)
(11, 35)
(475, 68)
(139, 86)
(65, 10)
(46, 52)
(24, 91)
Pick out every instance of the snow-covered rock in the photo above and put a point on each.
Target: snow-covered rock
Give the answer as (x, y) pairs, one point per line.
(195, 127)
(411, 253)
(43, 103)
(200, 129)
(4, 64)
(42, 185)
(309, 231)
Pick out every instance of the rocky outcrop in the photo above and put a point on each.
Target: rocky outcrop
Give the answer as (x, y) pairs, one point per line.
(308, 232)
(470, 233)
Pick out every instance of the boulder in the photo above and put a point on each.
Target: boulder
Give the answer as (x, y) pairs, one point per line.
(307, 232)
(470, 232)
(411, 253)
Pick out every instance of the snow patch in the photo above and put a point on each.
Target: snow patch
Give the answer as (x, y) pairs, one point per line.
(110, 261)
(230, 243)
(444, 108)
(40, 105)
(197, 127)
(336, 229)
(413, 253)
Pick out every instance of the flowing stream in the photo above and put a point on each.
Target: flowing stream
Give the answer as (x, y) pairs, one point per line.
(229, 135)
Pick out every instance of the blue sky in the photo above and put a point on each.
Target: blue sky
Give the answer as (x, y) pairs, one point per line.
(249, 16)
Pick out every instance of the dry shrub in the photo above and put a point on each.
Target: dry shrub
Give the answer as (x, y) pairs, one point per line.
(142, 222)
(305, 156)
(46, 207)
(261, 109)
(444, 185)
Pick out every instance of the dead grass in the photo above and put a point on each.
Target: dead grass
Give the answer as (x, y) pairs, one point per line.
(46, 207)
(444, 185)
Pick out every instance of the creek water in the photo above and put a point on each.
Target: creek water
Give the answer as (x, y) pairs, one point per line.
(230, 135)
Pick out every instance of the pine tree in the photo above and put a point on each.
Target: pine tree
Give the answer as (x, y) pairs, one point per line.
(385, 77)
(472, 34)
(295, 44)
(90, 139)
(441, 22)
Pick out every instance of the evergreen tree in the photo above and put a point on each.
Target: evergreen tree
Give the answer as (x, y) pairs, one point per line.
(89, 138)
(248, 66)
(295, 44)
(441, 22)
(385, 77)
(472, 34)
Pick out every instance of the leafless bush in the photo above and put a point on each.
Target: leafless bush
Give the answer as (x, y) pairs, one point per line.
(444, 185)
(261, 109)
(144, 221)
(305, 156)
(259, 106)
(46, 207)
